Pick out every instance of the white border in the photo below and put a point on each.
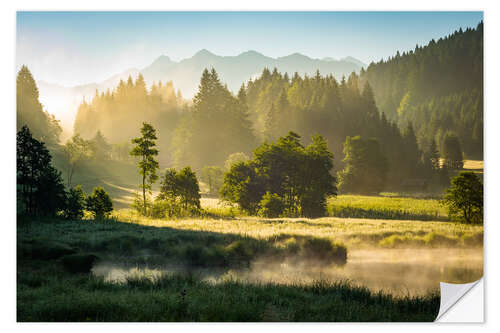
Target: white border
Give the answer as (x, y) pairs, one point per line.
(7, 132)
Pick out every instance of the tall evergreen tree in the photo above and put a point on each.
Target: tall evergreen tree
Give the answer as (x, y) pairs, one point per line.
(145, 150)
(30, 111)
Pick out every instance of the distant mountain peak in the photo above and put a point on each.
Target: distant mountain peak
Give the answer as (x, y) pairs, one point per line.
(251, 53)
(354, 61)
(295, 55)
(203, 53)
(162, 60)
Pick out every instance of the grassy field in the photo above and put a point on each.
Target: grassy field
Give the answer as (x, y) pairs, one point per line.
(386, 207)
(351, 231)
(47, 291)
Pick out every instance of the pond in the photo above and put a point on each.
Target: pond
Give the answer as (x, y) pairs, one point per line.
(399, 272)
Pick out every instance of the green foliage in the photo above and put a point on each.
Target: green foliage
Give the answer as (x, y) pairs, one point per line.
(29, 110)
(299, 176)
(145, 150)
(39, 184)
(464, 198)
(242, 185)
(179, 192)
(99, 203)
(213, 177)
(75, 203)
(271, 205)
(366, 167)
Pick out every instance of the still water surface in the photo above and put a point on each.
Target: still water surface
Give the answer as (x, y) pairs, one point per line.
(399, 272)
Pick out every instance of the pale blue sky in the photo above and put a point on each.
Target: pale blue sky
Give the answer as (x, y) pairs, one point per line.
(80, 47)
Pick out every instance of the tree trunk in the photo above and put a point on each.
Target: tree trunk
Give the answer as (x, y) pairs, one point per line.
(144, 192)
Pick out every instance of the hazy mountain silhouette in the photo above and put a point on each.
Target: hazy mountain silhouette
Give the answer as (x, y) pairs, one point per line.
(185, 74)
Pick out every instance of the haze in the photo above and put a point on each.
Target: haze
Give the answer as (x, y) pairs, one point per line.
(76, 48)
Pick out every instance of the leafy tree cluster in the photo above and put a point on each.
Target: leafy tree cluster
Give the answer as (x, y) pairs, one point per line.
(284, 176)
(464, 198)
(438, 87)
(115, 114)
(30, 112)
(181, 186)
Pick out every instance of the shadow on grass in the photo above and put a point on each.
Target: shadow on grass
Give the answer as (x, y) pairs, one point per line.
(46, 292)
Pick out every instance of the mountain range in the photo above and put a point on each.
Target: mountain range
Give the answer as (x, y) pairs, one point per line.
(185, 74)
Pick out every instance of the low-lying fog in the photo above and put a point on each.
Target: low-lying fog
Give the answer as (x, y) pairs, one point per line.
(400, 272)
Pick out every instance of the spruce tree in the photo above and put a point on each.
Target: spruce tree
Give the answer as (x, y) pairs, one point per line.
(145, 150)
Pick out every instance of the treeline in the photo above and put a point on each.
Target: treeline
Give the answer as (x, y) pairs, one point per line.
(438, 87)
(336, 110)
(116, 113)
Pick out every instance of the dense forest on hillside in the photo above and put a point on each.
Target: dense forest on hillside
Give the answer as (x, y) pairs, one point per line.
(118, 114)
(438, 87)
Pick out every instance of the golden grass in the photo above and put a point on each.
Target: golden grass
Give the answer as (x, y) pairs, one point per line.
(355, 233)
(386, 207)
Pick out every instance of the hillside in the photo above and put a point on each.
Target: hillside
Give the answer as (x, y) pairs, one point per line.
(438, 87)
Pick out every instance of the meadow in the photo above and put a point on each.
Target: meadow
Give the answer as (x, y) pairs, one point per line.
(48, 291)
(389, 206)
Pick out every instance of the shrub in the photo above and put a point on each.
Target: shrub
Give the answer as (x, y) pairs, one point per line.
(323, 249)
(99, 203)
(75, 203)
(271, 205)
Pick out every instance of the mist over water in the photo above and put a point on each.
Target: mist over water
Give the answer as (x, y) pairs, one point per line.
(399, 272)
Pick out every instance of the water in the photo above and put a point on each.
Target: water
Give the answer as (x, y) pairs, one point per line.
(399, 272)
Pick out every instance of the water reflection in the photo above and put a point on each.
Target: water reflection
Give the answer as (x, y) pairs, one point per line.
(400, 272)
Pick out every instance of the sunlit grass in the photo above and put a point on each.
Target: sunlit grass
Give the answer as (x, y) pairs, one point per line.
(386, 207)
(353, 232)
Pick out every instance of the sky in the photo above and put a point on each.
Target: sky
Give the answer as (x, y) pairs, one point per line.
(71, 48)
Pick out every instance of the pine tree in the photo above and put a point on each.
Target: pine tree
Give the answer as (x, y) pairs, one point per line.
(145, 150)
(30, 111)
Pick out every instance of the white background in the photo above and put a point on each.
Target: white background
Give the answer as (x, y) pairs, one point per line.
(7, 162)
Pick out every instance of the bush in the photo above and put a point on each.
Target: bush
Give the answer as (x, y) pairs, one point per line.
(99, 203)
(75, 203)
(271, 205)
(323, 249)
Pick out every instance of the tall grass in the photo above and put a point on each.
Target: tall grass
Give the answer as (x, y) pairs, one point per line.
(46, 294)
(382, 207)
(353, 232)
